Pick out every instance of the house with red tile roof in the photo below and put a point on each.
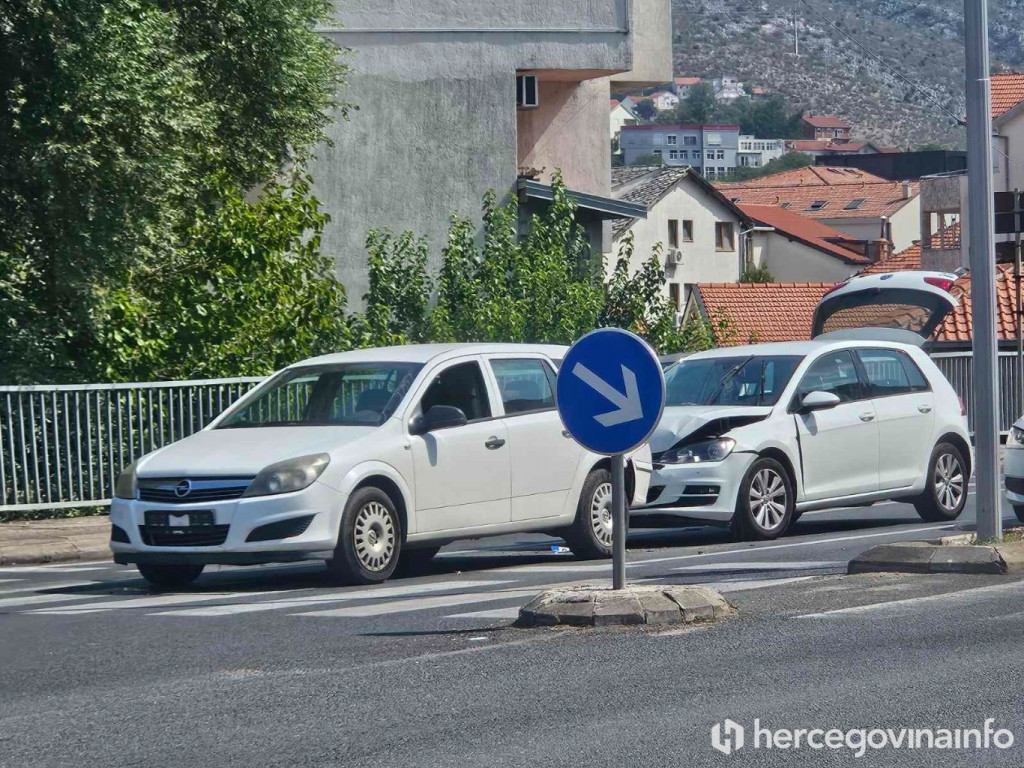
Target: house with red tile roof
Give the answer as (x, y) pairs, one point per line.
(682, 85)
(829, 147)
(1008, 126)
(860, 204)
(821, 127)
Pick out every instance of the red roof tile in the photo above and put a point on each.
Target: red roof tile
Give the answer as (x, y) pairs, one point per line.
(687, 80)
(822, 145)
(804, 229)
(1007, 92)
(825, 121)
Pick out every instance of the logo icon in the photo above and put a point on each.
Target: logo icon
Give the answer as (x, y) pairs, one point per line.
(727, 737)
(183, 489)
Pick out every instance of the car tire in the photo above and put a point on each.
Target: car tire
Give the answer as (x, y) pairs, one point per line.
(170, 576)
(765, 503)
(415, 561)
(1018, 510)
(369, 539)
(590, 535)
(945, 492)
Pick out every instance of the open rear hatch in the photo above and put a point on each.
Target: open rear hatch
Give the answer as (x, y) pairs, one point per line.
(910, 304)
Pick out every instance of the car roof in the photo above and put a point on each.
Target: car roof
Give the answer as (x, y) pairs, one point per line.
(798, 348)
(424, 353)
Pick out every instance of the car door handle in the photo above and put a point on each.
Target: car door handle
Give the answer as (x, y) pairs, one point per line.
(566, 433)
(494, 443)
(924, 408)
(867, 417)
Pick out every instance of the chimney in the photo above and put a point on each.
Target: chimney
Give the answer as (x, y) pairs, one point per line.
(907, 190)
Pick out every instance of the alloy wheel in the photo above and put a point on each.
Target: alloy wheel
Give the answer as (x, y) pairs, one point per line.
(374, 536)
(768, 499)
(949, 481)
(601, 513)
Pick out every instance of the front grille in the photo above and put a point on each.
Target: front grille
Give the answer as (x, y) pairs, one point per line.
(119, 534)
(183, 536)
(282, 529)
(198, 490)
(1015, 485)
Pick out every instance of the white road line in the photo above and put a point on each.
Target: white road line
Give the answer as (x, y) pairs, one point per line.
(333, 597)
(47, 587)
(492, 613)
(812, 542)
(740, 586)
(51, 569)
(150, 602)
(15, 602)
(776, 566)
(961, 596)
(423, 604)
(4, 581)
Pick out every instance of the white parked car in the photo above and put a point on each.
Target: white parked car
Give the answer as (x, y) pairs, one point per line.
(368, 457)
(1014, 468)
(755, 436)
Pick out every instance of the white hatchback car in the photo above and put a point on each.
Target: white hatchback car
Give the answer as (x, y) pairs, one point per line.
(755, 436)
(1014, 468)
(364, 458)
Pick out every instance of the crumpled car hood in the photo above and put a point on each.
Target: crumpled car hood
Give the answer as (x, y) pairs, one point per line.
(678, 422)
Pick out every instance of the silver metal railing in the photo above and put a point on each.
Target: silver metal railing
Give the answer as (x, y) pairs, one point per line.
(958, 368)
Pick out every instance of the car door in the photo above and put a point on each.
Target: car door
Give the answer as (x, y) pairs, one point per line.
(839, 445)
(904, 404)
(462, 474)
(544, 457)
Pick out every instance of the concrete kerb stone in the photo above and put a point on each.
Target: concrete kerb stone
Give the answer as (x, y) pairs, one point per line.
(597, 606)
(951, 554)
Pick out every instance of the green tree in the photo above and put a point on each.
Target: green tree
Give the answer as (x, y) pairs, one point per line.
(788, 162)
(399, 291)
(648, 158)
(699, 106)
(752, 274)
(121, 123)
(247, 292)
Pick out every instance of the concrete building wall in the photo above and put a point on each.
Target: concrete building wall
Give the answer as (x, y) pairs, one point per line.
(1012, 132)
(791, 261)
(905, 226)
(645, 140)
(702, 261)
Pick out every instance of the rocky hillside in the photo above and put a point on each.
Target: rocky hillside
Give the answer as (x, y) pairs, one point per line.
(922, 39)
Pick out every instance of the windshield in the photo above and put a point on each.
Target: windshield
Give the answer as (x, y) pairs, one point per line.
(354, 394)
(740, 380)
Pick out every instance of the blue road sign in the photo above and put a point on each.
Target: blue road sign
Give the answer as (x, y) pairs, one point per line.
(610, 391)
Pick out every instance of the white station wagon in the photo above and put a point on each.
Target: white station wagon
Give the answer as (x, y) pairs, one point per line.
(368, 457)
(753, 437)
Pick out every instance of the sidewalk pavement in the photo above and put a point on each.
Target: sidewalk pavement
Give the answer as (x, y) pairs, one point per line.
(28, 542)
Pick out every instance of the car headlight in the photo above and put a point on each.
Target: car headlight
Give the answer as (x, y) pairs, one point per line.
(126, 483)
(288, 476)
(1016, 436)
(699, 453)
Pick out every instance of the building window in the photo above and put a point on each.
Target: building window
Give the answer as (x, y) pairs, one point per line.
(673, 233)
(710, 154)
(527, 96)
(673, 154)
(684, 154)
(657, 152)
(720, 155)
(671, 140)
(674, 296)
(687, 230)
(709, 172)
(690, 141)
(854, 204)
(724, 236)
(817, 205)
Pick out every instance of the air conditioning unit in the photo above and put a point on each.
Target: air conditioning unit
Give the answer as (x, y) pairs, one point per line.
(527, 93)
(674, 257)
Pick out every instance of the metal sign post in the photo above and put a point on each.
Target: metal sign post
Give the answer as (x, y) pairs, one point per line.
(610, 395)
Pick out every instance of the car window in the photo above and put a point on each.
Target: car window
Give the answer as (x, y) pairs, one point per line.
(461, 386)
(918, 382)
(885, 372)
(525, 385)
(745, 380)
(832, 372)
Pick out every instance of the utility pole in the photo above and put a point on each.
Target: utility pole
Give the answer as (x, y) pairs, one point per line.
(983, 267)
(796, 33)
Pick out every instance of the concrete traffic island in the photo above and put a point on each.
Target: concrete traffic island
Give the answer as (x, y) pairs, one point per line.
(950, 554)
(601, 606)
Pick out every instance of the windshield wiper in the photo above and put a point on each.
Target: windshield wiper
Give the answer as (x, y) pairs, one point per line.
(731, 374)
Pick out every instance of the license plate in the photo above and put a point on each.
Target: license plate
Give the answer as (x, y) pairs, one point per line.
(173, 519)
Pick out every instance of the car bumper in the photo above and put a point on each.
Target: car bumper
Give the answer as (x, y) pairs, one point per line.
(233, 523)
(1014, 470)
(704, 492)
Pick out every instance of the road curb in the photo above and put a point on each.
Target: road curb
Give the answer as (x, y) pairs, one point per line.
(957, 556)
(35, 542)
(599, 606)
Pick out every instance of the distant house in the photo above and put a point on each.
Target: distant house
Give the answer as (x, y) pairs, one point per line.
(1008, 127)
(825, 127)
(863, 206)
(831, 147)
(664, 101)
(683, 85)
(754, 152)
(728, 89)
(622, 114)
(710, 149)
(700, 231)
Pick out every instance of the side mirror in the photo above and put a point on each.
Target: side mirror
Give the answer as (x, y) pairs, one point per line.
(818, 401)
(438, 417)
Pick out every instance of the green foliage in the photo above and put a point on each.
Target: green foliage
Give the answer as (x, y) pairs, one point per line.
(645, 109)
(768, 118)
(121, 121)
(788, 162)
(248, 292)
(648, 158)
(399, 293)
(752, 274)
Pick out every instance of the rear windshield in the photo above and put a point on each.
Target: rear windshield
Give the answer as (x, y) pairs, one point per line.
(740, 380)
(916, 311)
(354, 394)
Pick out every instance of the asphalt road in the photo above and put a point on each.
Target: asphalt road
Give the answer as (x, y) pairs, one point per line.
(271, 666)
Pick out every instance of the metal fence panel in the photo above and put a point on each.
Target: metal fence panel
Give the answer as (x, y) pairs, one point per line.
(958, 368)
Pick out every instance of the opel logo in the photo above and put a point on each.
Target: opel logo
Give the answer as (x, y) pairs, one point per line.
(183, 489)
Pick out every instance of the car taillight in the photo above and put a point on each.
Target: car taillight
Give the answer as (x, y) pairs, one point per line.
(963, 408)
(940, 282)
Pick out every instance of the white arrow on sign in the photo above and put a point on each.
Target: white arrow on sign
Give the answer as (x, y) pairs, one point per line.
(628, 407)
